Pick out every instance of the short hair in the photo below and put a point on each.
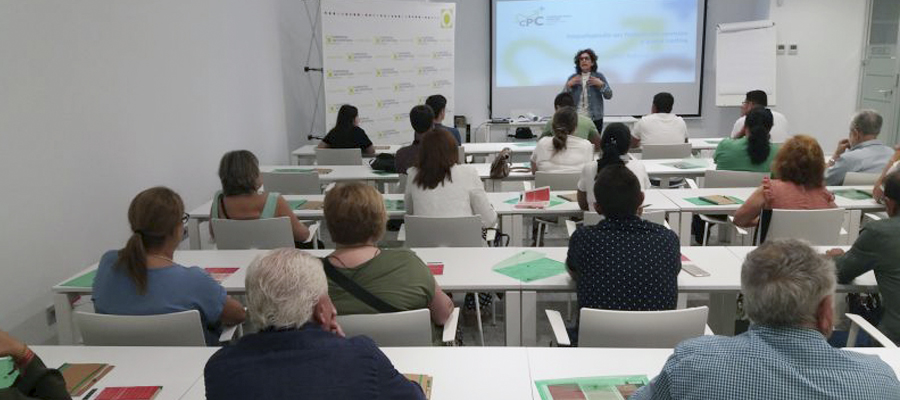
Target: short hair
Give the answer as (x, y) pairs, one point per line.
(283, 287)
(438, 153)
(867, 122)
(892, 186)
(783, 282)
(354, 213)
(437, 103)
(663, 102)
(564, 100)
(617, 191)
(590, 54)
(757, 97)
(421, 118)
(800, 160)
(239, 172)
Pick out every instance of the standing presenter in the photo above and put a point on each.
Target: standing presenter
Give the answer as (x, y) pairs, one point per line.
(589, 87)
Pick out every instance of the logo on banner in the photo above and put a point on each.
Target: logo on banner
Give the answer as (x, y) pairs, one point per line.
(537, 18)
(446, 18)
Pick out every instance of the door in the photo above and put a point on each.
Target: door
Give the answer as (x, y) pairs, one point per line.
(880, 68)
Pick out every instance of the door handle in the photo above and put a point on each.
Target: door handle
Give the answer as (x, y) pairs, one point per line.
(886, 92)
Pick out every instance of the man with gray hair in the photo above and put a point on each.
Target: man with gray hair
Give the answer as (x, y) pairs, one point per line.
(299, 351)
(788, 295)
(861, 151)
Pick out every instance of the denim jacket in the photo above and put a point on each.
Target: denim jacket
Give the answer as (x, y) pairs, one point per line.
(595, 95)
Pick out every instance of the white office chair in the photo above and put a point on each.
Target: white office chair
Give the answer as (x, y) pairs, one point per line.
(174, 329)
(338, 156)
(857, 322)
(660, 151)
(399, 329)
(269, 233)
(633, 329)
(819, 227)
(292, 182)
(462, 155)
(556, 181)
(860, 179)
(726, 179)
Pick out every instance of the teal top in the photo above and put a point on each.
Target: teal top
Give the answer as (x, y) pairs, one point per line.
(267, 212)
(731, 155)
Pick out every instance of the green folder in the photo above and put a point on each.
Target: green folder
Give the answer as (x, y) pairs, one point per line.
(83, 281)
(554, 201)
(394, 205)
(528, 266)
(687, 163)
(599, 387)
(700, 202)
(294, 170)
(383, 173)
(853, 194)
(296, 204)
(523, 144)
(8, 372)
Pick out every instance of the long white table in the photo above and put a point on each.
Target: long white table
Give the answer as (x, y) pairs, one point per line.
(306, 154)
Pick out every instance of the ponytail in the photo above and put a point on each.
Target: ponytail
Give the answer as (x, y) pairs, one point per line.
(559, 139)
(758, 123)
(155, 216)
(615, 142)
(133, 259)
(565, 120)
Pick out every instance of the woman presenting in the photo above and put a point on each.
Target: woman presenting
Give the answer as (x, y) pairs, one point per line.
(589, 87)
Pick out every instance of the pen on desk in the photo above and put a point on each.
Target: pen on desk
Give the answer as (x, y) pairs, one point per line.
(646, 205)
(90, 393)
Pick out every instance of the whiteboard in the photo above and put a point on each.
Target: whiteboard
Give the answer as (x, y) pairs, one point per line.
(745, 61)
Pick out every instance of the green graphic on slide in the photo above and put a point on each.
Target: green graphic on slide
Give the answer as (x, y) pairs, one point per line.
(512, 51)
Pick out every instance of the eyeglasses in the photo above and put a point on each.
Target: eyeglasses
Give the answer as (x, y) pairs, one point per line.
(185, 218)
(584, 58)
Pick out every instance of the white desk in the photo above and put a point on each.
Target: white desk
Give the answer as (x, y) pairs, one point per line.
(306, 154)
(176, 369)
(865, 283)
(664, 171)
(537, 126)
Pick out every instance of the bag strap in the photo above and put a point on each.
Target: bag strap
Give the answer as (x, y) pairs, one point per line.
(354, 289)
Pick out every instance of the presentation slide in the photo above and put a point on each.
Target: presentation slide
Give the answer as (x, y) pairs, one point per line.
(643, 47)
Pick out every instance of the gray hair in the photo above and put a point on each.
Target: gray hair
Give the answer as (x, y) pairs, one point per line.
(867, 122)
(283, 287)
(783, 281)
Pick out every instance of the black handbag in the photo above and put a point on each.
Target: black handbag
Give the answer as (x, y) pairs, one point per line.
(524, 132)
(384, 162)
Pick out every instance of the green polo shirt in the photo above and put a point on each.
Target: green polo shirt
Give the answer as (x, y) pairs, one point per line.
(585, 129)
(731, 155)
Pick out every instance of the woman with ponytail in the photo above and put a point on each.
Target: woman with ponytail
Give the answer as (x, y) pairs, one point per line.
(562, 152)
(143, 279)
(614, 146)
(753, 151)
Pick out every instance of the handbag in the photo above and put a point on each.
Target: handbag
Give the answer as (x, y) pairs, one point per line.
(354, 289)
(500, 168)
(384, 162)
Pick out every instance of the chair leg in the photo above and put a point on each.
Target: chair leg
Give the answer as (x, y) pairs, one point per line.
(705, 233)
(494, 311)
(478, 317)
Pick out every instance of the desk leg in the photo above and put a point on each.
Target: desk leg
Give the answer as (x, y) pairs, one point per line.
(65, 325)
(194, 233)
(493, 185)
(853, 226)
(722, 313)
(674, 219)
(684, 228)
(513, 302)
(529, 318)
(516, 230)
(664, 182)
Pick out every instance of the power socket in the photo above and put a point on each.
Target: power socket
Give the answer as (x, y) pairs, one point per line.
(792, 49)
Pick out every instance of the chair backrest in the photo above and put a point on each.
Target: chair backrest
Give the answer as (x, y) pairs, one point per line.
(860, 179)
(557, 180)
(175, 329)
(658, 151)
(424, 231)
(656, 217)
(462, 155)
(405, 328)
(401, 183)
(729, 179)
(269, 233)
(338, 156)
(292, 182)
(640, 329)
(819, 227)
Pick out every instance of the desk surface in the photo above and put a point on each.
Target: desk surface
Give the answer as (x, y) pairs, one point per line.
(864, 283)
(678, 197)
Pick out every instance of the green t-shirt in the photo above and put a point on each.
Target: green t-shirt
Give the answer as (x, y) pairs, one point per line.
(731, 155)
(585, 129)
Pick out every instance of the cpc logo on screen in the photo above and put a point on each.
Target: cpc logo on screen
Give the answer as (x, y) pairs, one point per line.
(536, 18)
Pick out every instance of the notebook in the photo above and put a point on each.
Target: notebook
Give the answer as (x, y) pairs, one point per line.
(220, 274)
(81, 377)
(718, 199)
(569, 196)
(537, 198)
(129, 393)
(437, 268)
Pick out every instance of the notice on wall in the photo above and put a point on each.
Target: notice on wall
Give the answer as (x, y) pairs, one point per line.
(385, 57)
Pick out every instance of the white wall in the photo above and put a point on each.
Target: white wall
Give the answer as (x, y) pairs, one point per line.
(100, 99)
(817, 88)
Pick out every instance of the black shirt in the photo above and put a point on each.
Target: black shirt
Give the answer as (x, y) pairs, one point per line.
(355, 138)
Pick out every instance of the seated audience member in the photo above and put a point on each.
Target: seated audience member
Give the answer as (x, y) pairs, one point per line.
(142, 278)
(660, 126)
(299, 351)
(892, 166)
(35, 380)
(422, 120)
(346, 133)
(788, 295)
(615, 142)
(878, 249)
(240, 197)
(798, 183)
(438, 105)
(623, 262)
(585, 129)
(758, 98)
(356, 217)
(753, 152)
(563, 152)
(438, 186)
(861, 152)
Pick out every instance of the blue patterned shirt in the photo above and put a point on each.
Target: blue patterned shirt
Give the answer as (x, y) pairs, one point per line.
(770, 363)
(625, 264)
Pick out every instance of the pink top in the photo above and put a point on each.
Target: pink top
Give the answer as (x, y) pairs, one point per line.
(791, 196)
